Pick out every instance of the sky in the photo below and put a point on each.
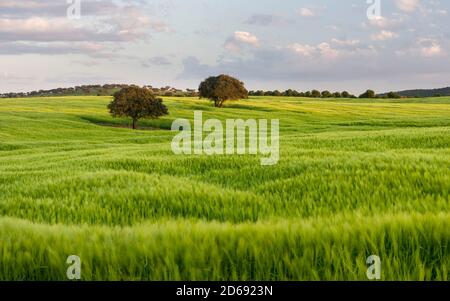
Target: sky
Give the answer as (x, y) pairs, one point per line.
(338, 45)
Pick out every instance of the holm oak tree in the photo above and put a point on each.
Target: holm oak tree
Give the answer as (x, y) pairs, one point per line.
(222, 88)
(137, 103)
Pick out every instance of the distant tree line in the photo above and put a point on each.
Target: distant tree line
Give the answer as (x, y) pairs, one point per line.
(424, 93)
(323, 94)
(110, 89)
(295, 93)
(101, 90)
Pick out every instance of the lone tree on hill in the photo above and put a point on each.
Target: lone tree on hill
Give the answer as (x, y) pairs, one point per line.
(222, 88)
(136, 103)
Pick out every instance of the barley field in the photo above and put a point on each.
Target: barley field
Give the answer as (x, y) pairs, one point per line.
(355, 178)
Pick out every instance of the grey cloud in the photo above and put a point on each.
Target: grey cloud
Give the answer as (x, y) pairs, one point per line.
(156, 61)
(56, 34)
(266, 20)
(81, 79)
(159, 60)
(90, 49)
(281, 64)
(52, 8)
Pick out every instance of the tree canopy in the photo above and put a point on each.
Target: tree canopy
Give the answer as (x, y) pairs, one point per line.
(326, 94)
(222, 88)
(316, 94)
(137, 103)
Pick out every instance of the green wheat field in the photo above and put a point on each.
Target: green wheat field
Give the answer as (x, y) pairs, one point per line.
(355, 178)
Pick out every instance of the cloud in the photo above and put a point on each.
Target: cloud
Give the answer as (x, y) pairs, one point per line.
(360, 67)
(424, 47)
(131, 21)
(52, 8)
(72, 79)
(246, 37)
(333, 27)
(430, 48)
(241, 39)
(156, 61)
(334, 50)
(49, 30)
(266, 20)
(407, 5)
(345, 59)
(384, 35)
(283, 60)
(45, 24)
(96, 50)
(345, 42)
(386, 23)
(6, 76)
(129, 26)
(304, 50)
(306, 12)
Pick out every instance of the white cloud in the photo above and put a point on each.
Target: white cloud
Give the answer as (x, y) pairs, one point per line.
(385, 23)
(246, 37)
(35, 24)
(24, 4)
(407, 5)
(432, 50)
(241, 39)
(379, 21)
(306, 12)
(345, 42)
(327, 52)
(323, 50)
(384, 35)
(304, 50)
(424, 47)
(334, 50)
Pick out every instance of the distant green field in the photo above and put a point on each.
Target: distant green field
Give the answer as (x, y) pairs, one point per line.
(355, 178)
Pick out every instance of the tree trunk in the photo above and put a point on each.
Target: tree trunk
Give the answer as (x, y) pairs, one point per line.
(219, 103)
(134, 123)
